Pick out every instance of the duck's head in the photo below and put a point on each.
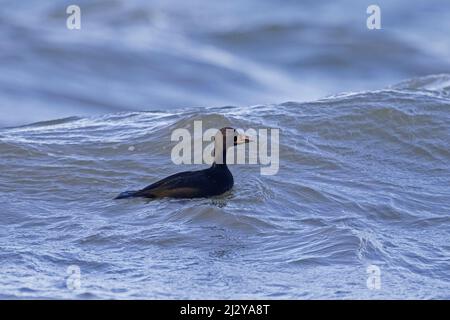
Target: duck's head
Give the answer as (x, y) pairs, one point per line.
(225, 138)
(230, 137)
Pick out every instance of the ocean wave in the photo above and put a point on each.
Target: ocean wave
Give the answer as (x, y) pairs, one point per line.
(363, 180)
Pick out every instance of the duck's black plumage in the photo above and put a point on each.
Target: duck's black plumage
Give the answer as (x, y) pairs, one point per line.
(215, 180)
(189, 184)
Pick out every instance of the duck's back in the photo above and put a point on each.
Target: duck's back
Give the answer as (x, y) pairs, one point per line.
(191, 184)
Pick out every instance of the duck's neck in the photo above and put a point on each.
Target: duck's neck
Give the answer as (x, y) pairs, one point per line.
(220, 157)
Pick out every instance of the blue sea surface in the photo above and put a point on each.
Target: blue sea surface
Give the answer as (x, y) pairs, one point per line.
(364, 177)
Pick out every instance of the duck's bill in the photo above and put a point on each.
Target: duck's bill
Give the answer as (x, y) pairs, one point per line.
(242, 138)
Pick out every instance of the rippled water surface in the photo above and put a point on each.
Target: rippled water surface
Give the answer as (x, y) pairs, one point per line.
(364, 179)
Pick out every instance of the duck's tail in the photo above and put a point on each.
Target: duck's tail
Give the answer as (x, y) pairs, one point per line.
(127, 194)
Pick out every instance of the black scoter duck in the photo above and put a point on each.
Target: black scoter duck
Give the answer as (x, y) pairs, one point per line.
(213, 181)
